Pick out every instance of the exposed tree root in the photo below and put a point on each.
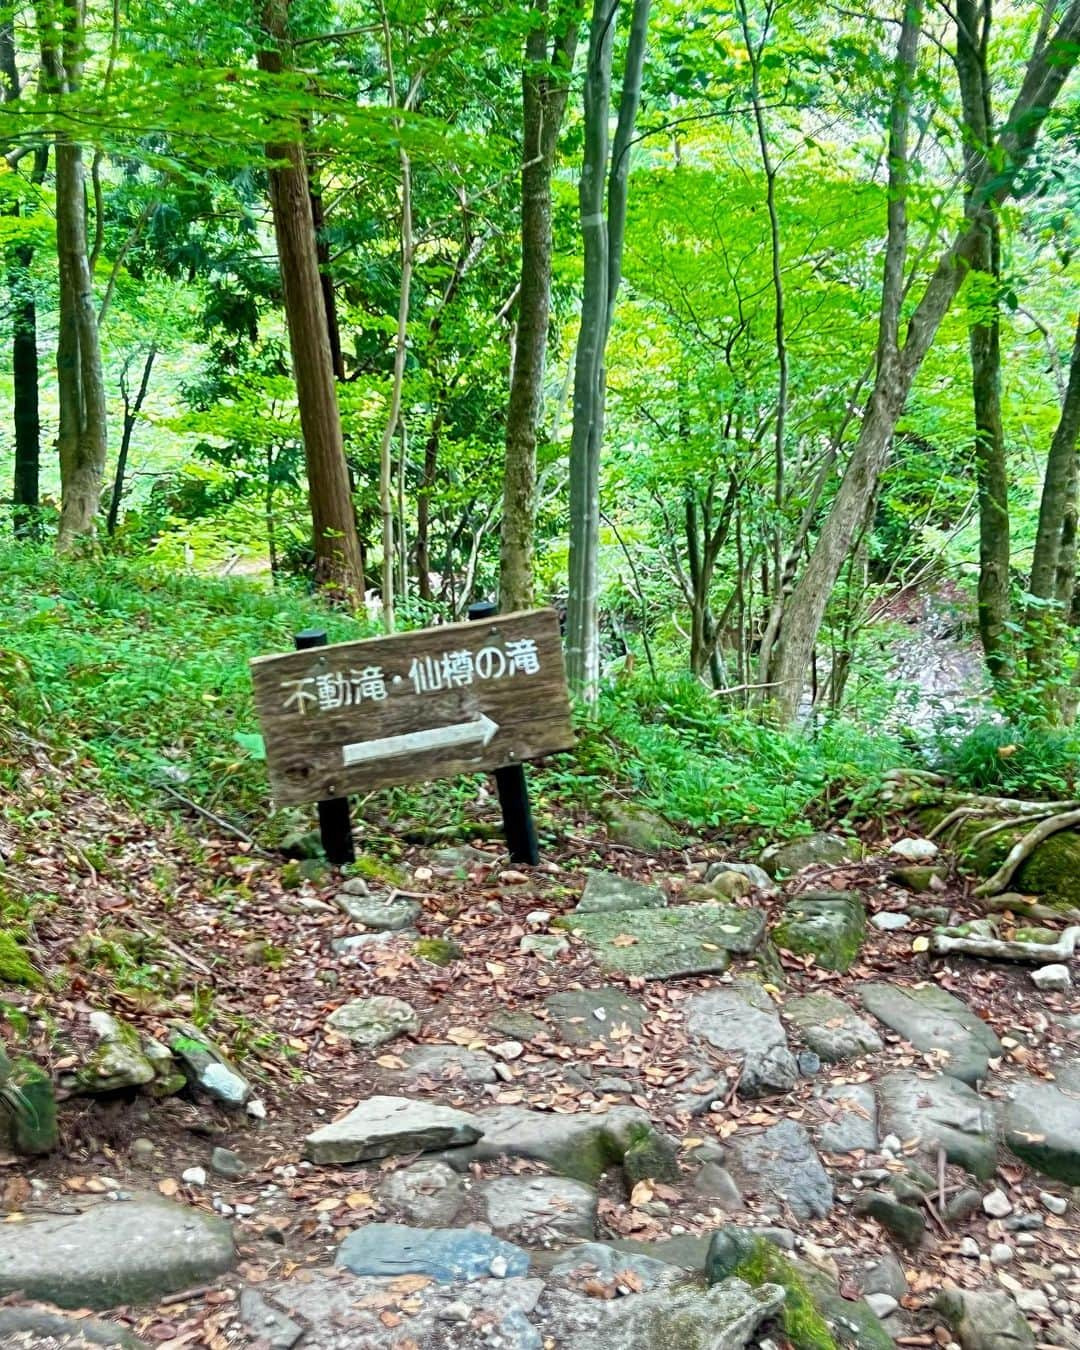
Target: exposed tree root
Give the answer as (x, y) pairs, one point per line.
(1024, 848)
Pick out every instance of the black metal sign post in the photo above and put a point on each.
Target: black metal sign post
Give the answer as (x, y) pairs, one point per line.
(335, 826)
(513, 787)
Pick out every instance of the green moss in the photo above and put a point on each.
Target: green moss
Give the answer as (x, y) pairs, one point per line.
(439, 951)
(1044, 936)
(650, 1157)
(587, 1160)
(31, 1106)
(831, 929)
(803, 1324)
(376, 869)
(15, 967)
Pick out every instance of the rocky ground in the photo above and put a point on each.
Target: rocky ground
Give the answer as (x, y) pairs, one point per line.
(659, 1097)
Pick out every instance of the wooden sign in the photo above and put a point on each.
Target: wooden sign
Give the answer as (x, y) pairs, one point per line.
(442, 701)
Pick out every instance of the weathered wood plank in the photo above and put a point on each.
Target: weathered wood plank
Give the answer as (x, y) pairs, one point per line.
(442, 701)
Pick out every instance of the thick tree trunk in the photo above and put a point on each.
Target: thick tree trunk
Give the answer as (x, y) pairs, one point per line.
(337, 550)
(544, 91)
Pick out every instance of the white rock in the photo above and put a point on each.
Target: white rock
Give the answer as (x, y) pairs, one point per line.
(889, 922)
(538, 918)
(882, 1304)
(1001, 1254)
(1056, 1204)
(194, 1176)
(970, 1248)
(890, 1144)
(997, 1204)
(1051, 979)
(914, 850)
(508, 1049)
(1032, 1300)
(498, 1267)
(257, 1108)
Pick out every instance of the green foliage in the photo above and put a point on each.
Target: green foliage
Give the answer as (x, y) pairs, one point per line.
(1014, 759)
(15, 965)
(803, 1324)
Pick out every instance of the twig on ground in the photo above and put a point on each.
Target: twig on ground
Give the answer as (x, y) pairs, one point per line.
(217, 820)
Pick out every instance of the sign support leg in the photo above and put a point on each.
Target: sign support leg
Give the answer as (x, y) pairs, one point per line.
(513, 788)
(335, 826)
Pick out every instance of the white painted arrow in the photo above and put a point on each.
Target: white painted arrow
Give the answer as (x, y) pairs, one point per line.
(479, 731)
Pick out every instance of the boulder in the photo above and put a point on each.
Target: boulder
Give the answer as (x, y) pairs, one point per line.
(116, 1061)
(658, 944)
(933, 1019)
(742, 1020)
(382, 1126)
(639, 828)
(373, 1021)
(598, 1260)
(914, 850)
(539, 1210)
(831, 1029)
(45, 1328)
(447, 1064)
(812, 850)
(448, 1255)
(266, 1324)
(206, 1067)
(940, 1112)
(1042, 1126)
(382, 915)
(607, 891)
(114, 1252)
(984, 1319)
(827, 925)
(850, 1119)
(781, 1163)
(428, 1194)
(581, 1016)
(583, 1146)
(652, 1156)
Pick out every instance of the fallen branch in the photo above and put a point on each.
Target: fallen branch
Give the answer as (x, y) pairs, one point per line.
(1023, 850)
(217, 820)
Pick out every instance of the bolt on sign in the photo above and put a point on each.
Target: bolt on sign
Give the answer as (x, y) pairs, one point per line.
(431, 704)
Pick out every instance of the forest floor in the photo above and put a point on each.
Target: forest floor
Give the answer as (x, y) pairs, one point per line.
(657, 1063)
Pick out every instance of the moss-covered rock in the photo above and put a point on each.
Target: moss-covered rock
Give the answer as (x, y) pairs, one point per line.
(828, 925)
(650, 1157)
(438, 951)
(31, 1108)
(735, 1252)
(639, 828)
(15, 965)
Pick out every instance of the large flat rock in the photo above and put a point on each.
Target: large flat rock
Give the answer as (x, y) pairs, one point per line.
(940, 1112)
(447, 1255)
(382, 1126)
(933, 1019)
(781, 1163)
(849, 1119)
(660, 944)
(742, 1020)
(831, 1029)
(1042, 1126)
(539, 1210)
(607, 891)
(582, 1146)
(114, 1252)
(581, 1016)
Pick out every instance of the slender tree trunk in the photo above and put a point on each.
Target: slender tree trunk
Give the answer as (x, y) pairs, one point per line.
(603, 242)
(544, 92)
(337, 550)
(131, 416)
(897, 367)
(423, 500)
(1053, 566)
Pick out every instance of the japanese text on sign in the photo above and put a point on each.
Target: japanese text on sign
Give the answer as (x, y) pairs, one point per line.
(426, 675)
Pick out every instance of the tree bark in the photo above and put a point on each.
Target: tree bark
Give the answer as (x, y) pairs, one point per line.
(544, 87)
(603, 243)
(1053, 566)
(1046, 73)
(337, 549)
(131, 416)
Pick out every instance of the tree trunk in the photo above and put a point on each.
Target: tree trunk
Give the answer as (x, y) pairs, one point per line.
(337, 550)
(1053, 566)
(131, 415)
(603, 241)
(1047, 71)
(544, 92)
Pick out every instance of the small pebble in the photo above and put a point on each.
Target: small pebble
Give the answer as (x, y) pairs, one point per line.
(455, 1312)
(970, 1248)
(194, 1176)
(1062, 1307)
(1001, 1254)
(508, 1049)
(997, 1204)
(244, 1211)
(809, 1063)
(890, 1144)
(538, 918)
(1024, 1223)
(1056, 1204)
(1051, 979)
(1060, 1270)
(890, 922)
(882, 1304)
(498, 1268)
(256, 1109)
(1026, 1240)
(142, 1150)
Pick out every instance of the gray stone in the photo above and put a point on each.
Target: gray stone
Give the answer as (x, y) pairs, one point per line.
(459, 859)
(885, 1277)
(933, 1019)
(1042, 1126)
(809, 1063)
(355, 886)
(914, 850)
(659, 944)
(827, 925)
(782, 1164)
(598, 1260)
(607, 891)
(1056, 1204)
(428, 1193)
(382, 1126)
(537, 1210)
(1052, 979)
(940, 1112)
(44, 1328)
(374, 1021)
(985, 1320)
(447, 1064)
(545, 945)
(117, 1060)
(267, 1324)
(582, 1145)
(369, 945)
(228, 1164)
(714, 1182)
(114, 1252)
(903, 1222)
(963, 1205)
(724, 1317)
(758, 878)
(831, 1029)
(997, 1204)
(383, 915)
(810, 851)
(345, 1313)
(851, 1117)
(1001, 1254)
(639, 828)
(206, 1066)
(881, 1305)
(724, 883)
(742, 1020)
(448, 1255)
(581, 1016)
(889, 921)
